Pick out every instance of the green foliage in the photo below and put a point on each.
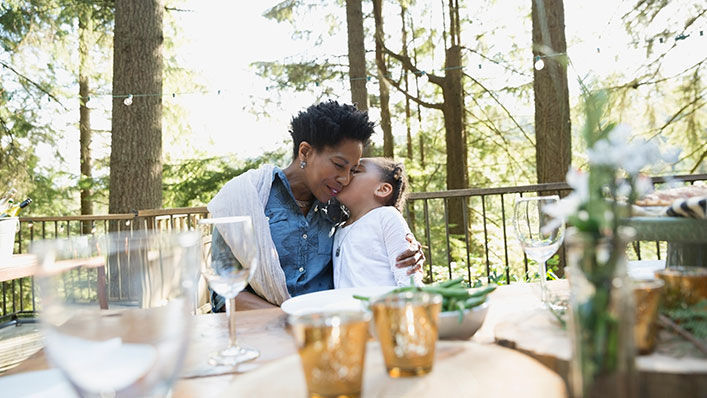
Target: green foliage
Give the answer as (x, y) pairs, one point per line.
(692, 318)
(298, 76)
(194, 182)
(283, 11)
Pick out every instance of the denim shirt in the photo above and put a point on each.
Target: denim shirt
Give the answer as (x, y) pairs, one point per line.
(302, 242)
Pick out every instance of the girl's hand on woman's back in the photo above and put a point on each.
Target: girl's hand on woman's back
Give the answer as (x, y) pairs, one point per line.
(412, 258)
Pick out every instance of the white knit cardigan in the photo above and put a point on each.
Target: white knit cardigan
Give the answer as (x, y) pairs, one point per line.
(247, 194)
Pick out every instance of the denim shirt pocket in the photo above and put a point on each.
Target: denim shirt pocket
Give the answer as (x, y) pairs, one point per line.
(279, 229)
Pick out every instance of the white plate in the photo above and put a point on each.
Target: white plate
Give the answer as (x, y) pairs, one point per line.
(48, 383)
(332, 300)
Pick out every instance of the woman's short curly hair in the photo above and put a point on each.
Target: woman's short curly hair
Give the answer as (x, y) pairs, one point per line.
(327, 123)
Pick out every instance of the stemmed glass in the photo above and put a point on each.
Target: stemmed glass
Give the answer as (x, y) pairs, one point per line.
(539, 234)
(229, 259)
(125, 334)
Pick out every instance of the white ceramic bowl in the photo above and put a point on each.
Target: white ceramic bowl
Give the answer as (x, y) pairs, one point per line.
(450, 328)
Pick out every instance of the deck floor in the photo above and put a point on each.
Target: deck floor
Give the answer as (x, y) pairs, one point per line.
(17, 343)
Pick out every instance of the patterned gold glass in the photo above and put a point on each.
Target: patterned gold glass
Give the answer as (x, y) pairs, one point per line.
(332, 350)
(647, 294)
(406, 325)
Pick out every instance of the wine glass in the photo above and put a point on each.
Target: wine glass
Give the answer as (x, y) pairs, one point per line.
(539, 234)
(115, 309)
(229, 259)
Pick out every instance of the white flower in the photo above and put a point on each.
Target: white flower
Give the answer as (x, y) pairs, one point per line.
(583, 215)
(604, 154)
(619, 135)
(671, 154)
(644, 186)
(561, 210)
(639, 154)
(623, 190)
(579, 182)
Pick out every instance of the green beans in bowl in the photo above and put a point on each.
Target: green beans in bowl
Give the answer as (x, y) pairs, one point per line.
(463, 309)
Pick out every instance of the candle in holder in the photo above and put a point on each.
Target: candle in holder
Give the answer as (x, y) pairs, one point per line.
(332, 350)
(647, 294)
(406, 325)
(683, 285)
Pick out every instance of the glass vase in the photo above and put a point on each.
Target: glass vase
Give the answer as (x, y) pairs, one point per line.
(601, 316)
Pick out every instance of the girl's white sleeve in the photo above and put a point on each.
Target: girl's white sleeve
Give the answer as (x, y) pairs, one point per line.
(394, 228)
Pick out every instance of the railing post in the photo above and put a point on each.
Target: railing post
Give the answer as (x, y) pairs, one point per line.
(446, 231)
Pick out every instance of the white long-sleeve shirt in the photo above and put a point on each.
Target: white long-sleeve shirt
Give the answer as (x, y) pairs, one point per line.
(364, 252)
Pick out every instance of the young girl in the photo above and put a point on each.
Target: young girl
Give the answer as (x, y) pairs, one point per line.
(366, 246)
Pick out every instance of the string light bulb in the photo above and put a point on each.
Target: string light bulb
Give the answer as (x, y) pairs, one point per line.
(424, 77)
(539, 64)
(128, 100)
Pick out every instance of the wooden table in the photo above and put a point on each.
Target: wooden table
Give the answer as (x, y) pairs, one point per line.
(26, 265)
(18, 266)
(517, 320)
(462, 368)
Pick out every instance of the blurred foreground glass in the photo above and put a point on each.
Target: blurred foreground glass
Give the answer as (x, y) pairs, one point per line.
(406, 325)
(539, 235)
(137, 347)
(229, 259)
(332, 349)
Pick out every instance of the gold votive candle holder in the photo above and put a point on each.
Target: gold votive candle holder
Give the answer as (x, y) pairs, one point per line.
(683, 284)
(647, 295)
(406, 327)
(332, 349)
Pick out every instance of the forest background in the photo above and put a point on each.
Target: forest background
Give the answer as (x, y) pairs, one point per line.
(470, 94)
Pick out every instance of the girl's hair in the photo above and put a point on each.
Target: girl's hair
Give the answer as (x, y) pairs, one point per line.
(393, 173)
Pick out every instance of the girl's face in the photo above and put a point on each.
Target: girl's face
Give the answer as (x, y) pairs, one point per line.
(329, 170)
(365, 182)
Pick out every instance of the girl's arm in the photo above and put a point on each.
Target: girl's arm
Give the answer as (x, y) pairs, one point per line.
(395, 231)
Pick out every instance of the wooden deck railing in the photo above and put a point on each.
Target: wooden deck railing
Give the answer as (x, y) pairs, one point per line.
(486, 253)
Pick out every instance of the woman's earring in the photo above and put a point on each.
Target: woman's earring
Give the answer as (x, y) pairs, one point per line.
(302, 164)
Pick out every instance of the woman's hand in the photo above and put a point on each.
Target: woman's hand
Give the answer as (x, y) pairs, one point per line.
(249, 301)
(412, 258)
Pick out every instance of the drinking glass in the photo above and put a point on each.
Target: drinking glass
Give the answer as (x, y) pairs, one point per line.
(115, 309)
(332, 349)
(229, 259)
(406, 326)
(539, 234)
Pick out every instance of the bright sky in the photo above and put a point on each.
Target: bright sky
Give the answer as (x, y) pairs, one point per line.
(226, 36)
(222, 38)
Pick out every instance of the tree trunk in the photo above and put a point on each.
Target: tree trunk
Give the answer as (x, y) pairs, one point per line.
(386, 125)
(420, 138)
(136, 143)
(453, 111)
(85, 182)
(136, 136)
(552, 115)
(357, 54)
(408, 128)
(454, 136)
(404, 37)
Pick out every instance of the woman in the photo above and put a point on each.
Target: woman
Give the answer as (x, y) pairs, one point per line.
(292, 223)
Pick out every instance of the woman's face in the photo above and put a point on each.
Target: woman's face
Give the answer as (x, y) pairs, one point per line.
(329, 170)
